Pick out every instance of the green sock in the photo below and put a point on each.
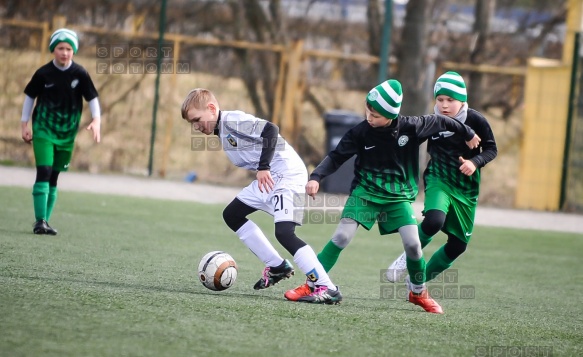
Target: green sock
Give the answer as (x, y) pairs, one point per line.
(424, 238)
(329, 255)
(439, 262)
(40, 193)
(416, 270)
(52, 198)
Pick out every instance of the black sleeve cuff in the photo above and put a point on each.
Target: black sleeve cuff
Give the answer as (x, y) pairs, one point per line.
(269, 135)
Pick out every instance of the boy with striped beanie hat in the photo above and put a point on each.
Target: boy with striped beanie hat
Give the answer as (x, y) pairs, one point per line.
(451, 84)
(452, 179)
(64, 35)
(386, 98)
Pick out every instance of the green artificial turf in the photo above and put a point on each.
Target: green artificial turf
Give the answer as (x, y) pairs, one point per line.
(120, 280)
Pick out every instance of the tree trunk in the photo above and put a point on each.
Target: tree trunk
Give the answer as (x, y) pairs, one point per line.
(374, 25)
(412, 69)
(483, 13)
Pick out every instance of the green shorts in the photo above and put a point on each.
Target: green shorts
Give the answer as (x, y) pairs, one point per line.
(46, 153)
(390, 216)
(459, 210)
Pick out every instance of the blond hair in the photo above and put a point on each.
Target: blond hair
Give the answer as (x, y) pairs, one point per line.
(198, 98)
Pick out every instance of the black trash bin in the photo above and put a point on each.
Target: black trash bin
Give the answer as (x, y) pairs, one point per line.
(337, 123)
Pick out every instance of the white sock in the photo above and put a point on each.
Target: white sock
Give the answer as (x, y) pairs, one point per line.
(417, 288)
(306, 259)
(257, 242)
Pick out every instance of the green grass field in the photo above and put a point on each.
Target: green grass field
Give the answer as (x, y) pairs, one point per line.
(120, 280)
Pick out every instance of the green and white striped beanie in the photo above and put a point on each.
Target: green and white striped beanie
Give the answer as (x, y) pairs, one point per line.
(451, 84)
(64, 35)
(386, 98)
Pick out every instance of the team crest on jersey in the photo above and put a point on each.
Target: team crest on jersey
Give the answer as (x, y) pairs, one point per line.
(403, 140)
(74, 83)
(232, 140)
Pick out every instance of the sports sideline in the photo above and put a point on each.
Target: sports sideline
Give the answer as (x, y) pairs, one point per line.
(126, 185)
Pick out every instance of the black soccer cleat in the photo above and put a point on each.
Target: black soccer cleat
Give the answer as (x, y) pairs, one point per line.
(51, 231)
(42, 227)
(273, 275)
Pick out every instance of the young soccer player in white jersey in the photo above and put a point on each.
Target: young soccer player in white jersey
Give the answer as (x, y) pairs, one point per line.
(255, 144)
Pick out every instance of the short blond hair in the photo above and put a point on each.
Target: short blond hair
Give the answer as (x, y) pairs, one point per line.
(198, 98)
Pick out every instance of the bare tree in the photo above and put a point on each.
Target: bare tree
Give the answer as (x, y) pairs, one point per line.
(374, 24)
(412, 56)
(259, 68)
(483, 13)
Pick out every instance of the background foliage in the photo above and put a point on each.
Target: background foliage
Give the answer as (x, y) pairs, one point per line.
(246, 79)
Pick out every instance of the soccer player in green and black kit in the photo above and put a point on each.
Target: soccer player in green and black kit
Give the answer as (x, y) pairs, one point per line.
(452, 179)
(386, 171)
(59, 88)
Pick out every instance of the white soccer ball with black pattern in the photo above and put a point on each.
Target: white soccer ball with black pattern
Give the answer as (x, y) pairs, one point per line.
(217, 270)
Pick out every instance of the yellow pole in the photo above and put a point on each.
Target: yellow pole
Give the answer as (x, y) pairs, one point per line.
(291, 90)
(278, 98)
(574, 13)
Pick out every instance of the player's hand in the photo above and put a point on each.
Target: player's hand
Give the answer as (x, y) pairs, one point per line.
(468, 167)
(265, 181)
(312, 188)
(472, 144)
(26, 133)
(95, 126)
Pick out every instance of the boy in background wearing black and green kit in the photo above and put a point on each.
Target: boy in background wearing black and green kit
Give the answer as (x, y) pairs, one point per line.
(59, 88)
(452, 179)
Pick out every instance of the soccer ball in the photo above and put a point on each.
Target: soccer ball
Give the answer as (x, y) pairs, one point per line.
(217, 270)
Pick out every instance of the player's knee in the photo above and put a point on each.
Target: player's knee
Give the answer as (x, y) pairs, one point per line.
(433, 222)
(235, 214)
(54, 178)
(286, 236)
(454, 247)
(413, 250)
(43, 173)
(344, 232)
(233, 217)
(341, 239)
